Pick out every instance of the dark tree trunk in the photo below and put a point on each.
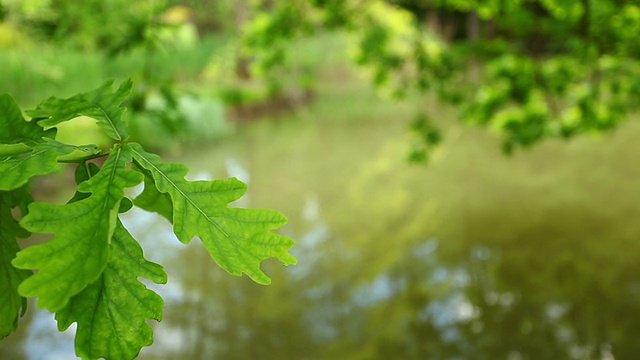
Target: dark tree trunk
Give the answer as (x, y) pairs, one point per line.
(473, 26)
(241, 16)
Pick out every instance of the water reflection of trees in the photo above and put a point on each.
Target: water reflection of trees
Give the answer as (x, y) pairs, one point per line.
(536, 300)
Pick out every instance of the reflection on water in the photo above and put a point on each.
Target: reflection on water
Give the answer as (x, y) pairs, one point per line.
(479, 256)
(49, 347)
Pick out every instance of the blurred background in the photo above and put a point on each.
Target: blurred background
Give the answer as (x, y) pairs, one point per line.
(460, 177)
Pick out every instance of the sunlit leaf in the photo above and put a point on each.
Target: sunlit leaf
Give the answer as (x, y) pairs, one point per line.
(100, 104)
(112, 311)
(237, 239)
(78, 253)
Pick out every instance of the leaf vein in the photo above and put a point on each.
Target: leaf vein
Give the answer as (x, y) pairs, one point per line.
(110, 121)
(187, 198)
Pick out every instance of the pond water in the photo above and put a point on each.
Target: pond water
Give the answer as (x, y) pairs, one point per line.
(477, 256)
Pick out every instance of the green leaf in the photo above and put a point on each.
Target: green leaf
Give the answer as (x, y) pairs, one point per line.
(237, 239)
(125, 205)
(78, 253)
(19, 145)
(111, 312)
(152, 200)
(84, 172)
(16, 170)
(100, 104)
(12, 304)
(80, 153)
(13, 127)
(13, 149)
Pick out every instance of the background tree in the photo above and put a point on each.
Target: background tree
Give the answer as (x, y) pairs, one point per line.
(527, 69)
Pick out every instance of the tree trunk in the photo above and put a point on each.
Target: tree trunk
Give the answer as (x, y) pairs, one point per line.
(473, 26)
(241, 16)
(433, 20)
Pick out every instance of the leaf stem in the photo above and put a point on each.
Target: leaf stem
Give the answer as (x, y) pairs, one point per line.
(82, 159)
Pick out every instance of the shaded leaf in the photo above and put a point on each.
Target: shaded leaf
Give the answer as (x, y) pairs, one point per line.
(237, 239)
(12, 305)
(84, 172)
(125, 205)
(112, 311)
(150, 199)
(13, 127)
(78, 253)
(100, 104)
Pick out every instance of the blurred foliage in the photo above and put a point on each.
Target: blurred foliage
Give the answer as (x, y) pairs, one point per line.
(92, 24)
(167, 119)
(210, 15)
(284, 67)
(154, 41)
(528, 69)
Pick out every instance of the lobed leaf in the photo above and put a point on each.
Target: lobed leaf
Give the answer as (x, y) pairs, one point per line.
(111, 312)
(237, 239)
(100, 104)
(78, 253)
(12, 305)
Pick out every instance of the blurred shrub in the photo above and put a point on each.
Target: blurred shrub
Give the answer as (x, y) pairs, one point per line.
(11, 36)
(187, 118)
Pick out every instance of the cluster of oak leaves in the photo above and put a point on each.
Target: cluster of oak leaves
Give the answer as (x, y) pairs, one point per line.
(88, 272)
